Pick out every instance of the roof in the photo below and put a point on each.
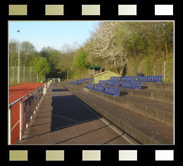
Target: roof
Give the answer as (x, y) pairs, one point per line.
(95, 67)
(107, 72)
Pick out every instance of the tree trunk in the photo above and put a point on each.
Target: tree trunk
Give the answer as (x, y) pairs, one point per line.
(114, 64)
(67, 74)
(121, 72)
(166, 49)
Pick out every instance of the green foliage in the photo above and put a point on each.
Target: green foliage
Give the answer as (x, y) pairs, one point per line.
(145, 38)
(53, 57)
(80, 60)
(42, 66)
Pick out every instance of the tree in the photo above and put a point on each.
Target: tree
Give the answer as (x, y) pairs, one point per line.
(104, 46)
(42, 66)
(13, 53)
(66, 59)
(80, 59)
(145, 38)
(27, 50)
(53, 56)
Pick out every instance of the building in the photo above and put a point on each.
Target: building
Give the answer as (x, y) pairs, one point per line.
(104, 76)
(92, 70)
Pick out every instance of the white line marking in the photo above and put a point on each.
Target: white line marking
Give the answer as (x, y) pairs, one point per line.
(106, 122)
(87, 107)
(15, 125)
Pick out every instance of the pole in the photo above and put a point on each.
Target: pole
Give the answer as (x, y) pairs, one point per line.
(13, 73)
(164, 73)
(19, 58)
(30, 74)
(24, 73)
(20, 134)
(9, 126)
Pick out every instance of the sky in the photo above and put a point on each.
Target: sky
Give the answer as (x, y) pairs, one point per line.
(51, 33)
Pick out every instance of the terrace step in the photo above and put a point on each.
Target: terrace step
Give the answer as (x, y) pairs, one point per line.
(141, 128)
(157, 110)
(160, 86)
(153, 94)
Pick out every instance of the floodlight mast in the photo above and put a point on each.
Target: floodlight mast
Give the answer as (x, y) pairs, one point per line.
(19, 58)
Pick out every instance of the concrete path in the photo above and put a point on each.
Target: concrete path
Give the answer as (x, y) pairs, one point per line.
(64, 119)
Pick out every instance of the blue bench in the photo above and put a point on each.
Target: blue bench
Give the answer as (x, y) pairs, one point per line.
(111, 83)
(129, 78)
(103, 82)
(90, 86)
(117, 83)
(114, 83)
(107, 90)
(112, 91)
(86, 80)
(132, 85)
(98, 88)
(115, 78)
(73, 83)
(151, 78)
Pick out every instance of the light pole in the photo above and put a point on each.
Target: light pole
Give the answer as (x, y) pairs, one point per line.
(19, 58)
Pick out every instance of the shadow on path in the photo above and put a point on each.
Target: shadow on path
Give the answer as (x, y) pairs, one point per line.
(68, 111)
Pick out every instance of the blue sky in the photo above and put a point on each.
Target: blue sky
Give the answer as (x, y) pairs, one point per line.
(51, 33)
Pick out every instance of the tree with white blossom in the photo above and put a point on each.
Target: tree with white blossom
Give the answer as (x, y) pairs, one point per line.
(103, 45)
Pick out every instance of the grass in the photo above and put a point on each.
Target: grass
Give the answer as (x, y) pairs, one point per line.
(13, 84)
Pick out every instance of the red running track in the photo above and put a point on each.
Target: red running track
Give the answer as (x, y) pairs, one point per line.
(16, 92)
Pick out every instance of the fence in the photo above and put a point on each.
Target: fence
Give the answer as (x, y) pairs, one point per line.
(165, 69)
(27, 74)
(20, 112)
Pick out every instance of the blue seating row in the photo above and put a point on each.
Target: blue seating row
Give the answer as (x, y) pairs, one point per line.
(103, 82)
(129, 78)
(151, 78)
(115, 78)
(90, 86)
(87, 79)
(99, 88)
(126, 84)
(80, 81)
(114, 83)
(73, 83)
(108, 90)
(132, 85)
(112, 91)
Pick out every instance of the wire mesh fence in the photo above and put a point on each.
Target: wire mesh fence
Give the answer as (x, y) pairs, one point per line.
(29, 106)
(27, 74)
(165, 69)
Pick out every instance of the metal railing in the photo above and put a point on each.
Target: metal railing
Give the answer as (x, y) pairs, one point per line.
(27, 106)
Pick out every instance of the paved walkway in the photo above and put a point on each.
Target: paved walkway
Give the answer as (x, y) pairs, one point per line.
(64, 119)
